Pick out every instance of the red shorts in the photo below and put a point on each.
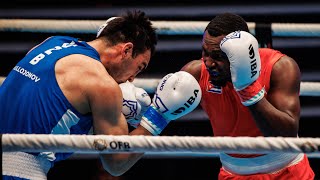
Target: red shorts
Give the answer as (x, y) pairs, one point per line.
(300, 171)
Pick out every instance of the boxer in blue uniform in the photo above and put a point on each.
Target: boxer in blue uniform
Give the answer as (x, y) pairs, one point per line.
(33, 102)
(68, 86)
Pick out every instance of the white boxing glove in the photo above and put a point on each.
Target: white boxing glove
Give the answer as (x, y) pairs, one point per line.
(135, 103)
(242, 50)
(177, 94)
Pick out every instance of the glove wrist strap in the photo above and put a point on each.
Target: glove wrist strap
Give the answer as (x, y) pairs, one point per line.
(153, 121)
(251, 94)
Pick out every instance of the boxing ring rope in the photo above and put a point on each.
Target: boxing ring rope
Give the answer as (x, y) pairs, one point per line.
(163, 27)
(306, 88)
(150, 85)
(159, 144)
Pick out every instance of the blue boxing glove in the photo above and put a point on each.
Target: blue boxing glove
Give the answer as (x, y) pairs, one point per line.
(241, 49)
(135, 103)
(177, 94)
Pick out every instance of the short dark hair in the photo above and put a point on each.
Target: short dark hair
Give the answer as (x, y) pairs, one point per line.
(226, 23)
(135, 27)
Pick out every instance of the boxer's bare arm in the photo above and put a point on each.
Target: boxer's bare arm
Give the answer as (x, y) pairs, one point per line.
(194, 68)
(108, 119)
(279, 114)
(97, 93)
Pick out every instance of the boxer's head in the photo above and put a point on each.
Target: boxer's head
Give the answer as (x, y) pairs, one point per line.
(130, 42)
(215, 60)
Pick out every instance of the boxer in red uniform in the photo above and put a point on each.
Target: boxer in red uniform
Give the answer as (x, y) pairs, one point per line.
(249, 91)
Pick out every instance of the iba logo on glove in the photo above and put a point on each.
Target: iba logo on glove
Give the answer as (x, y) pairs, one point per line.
(253, 63)
(160, 105)
(186, 104)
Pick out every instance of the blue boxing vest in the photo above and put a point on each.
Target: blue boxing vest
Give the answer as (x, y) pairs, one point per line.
(31, 100)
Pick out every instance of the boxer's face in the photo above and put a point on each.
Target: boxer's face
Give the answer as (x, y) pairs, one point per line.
(123, 66)
(215, 60)
(131, 67)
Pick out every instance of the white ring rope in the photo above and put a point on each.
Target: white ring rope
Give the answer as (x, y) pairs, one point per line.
(114, 144)
(164, 27)
(306, 88)
(309, 89)
(150, 85)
